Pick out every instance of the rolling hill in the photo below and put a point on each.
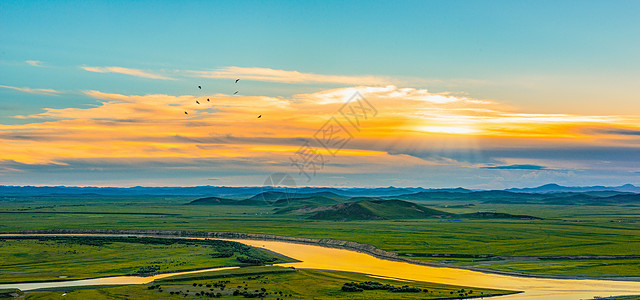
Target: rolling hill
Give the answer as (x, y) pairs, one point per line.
(478, 196)
(390, 210)
(308, 201)
(555, 188)
(223, 201)
(276, 195)
(317, 199)
(374, 210)
(213, 201)
(510, 197)
(495, 215)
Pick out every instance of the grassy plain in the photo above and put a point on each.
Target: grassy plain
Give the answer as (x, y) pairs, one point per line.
(566, 230)
(278, 282)
(54, 258)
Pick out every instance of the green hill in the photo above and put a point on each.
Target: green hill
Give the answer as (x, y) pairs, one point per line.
(371, 209)
(576, 199)
(374, 210)
(276, 196)
(484, 196)
(213, 201)
(302, 206)
(223, 201)
(589, 199)
(355, 199)
(495, 215)
(278, 199)
(315, 200)
(622, 199)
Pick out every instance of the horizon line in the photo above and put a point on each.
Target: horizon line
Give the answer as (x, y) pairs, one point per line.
(316, 187)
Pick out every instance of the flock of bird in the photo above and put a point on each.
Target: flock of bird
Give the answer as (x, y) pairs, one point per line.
(209, 100)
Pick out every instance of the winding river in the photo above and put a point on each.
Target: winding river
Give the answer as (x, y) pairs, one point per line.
(317, 257)
(115, 280)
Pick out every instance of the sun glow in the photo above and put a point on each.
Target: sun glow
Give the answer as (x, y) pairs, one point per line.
(448, 129)
(154, 126)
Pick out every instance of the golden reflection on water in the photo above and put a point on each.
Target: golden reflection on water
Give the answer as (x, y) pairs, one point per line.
(316, 257)
(115, 280)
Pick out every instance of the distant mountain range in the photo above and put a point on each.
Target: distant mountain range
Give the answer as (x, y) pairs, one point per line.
(325, 205)
(554, 188)
(407, 193)
(320, 207)
(348, 204)
(220, 191)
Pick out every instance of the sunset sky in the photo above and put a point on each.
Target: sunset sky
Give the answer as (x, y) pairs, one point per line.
(478, 94)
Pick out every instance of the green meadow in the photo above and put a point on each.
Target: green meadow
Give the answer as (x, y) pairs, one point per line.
(68, 258)
(268, 283)
(498, 244)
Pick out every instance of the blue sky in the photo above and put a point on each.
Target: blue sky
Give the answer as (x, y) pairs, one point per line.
(578, 59)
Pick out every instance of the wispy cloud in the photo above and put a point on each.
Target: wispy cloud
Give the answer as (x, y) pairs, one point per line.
(274, 75)
(50, 92)
(126, 71)
(35, 63)
(620, 131)
(518, 167)
(390, 92)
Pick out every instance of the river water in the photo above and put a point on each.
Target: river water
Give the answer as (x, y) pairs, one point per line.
(317, 257)
(115, 280)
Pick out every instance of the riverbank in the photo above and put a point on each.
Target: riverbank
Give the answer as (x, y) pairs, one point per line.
(314, 257)
(37, 258)
(268, 282)
(330, 243)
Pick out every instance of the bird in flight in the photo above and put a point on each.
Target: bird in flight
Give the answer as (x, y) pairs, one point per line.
(235, 92)
(199, 87)
(208, 100)
(197, 102)
(259, 116)
(237, 80)
(186, 113)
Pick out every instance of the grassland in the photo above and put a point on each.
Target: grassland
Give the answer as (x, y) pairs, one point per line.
(58, 258)
(565, 230)
(270, 282)
(583, 267)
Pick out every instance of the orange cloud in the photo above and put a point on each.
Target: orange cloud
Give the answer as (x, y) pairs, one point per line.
(155, 127)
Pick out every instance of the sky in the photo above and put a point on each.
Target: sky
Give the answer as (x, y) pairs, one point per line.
(478, 94)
